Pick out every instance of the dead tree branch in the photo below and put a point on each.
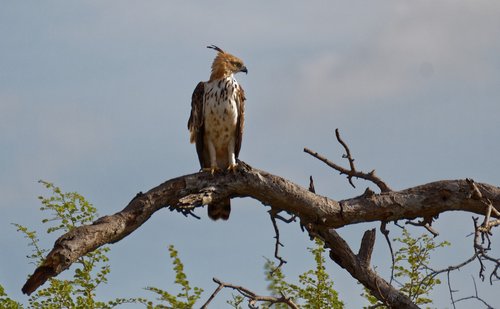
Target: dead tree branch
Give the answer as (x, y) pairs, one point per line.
(480, 237)
(311, 185)
(277, 244)
(385, 232)
(448, 270)
(317, 213)
(351, 172)
(479, 254)
(427, 224)
(475, 296)
(253, 298)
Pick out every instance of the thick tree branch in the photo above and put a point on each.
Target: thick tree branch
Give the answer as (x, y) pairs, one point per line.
(190, 191)
(359, 267)
(366, 248)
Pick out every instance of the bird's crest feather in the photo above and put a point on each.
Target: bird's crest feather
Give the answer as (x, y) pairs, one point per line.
(216, 48)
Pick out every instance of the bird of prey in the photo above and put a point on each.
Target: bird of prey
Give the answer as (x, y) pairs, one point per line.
(216, 121)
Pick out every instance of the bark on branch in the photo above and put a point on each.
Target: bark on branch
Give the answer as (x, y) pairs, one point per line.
(358, 265)
(320, 213)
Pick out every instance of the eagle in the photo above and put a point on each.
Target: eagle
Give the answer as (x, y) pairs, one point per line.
(216, 121)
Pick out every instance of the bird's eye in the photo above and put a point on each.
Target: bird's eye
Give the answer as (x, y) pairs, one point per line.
(236, 64)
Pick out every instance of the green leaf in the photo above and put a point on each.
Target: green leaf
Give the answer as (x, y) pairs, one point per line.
(184, 299)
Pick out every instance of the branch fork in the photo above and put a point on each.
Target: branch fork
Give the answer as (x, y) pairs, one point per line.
(351, 172)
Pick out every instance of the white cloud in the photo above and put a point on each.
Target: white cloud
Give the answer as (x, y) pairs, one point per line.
(453, 44)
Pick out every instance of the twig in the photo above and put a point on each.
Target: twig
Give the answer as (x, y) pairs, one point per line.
(487, 223)
(479, 254)
(311, 184)
(434, 273)
(481, 235)
(385, 232)
(451, 290)
(351, 172)
(426, 223)
(396, 223)
(252, 297)
(476, 296)
(273, 213)
(289, 220)
(480, 250)
(483, 232)
(347, 154)
(217, 290)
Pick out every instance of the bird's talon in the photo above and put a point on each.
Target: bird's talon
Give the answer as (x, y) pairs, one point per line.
(232, 167)
(211, 170)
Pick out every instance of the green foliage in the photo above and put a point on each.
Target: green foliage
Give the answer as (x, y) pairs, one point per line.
(37, 253)
(6, 302)
(411, 267)
(184, 299)
(315, 289)
(69, 210)
(237, 301)
(277, 284)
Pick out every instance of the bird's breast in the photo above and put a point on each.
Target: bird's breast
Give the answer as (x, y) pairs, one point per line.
(220, 110)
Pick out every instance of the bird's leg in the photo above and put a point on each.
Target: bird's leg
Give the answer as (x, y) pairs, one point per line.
(232, 167)
(213, 159)
(232, 158)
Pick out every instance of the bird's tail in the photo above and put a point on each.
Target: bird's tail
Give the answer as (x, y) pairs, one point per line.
(220, 210)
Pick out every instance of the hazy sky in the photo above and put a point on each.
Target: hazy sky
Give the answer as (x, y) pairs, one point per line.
(95, 96)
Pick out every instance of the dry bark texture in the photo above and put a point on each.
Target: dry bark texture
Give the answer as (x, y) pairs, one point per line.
(318, 214)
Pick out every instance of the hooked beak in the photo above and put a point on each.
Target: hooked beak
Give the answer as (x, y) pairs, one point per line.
(244, 69)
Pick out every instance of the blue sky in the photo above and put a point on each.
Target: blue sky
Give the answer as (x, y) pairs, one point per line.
(95, 97)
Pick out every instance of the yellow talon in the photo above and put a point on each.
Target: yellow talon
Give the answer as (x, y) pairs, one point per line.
(211, 170)
(232, 167)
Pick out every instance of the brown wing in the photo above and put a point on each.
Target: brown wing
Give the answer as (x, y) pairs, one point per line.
(196, 124)
(241, 120)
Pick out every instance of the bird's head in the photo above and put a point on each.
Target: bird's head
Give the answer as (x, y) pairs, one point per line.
(225, 64)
